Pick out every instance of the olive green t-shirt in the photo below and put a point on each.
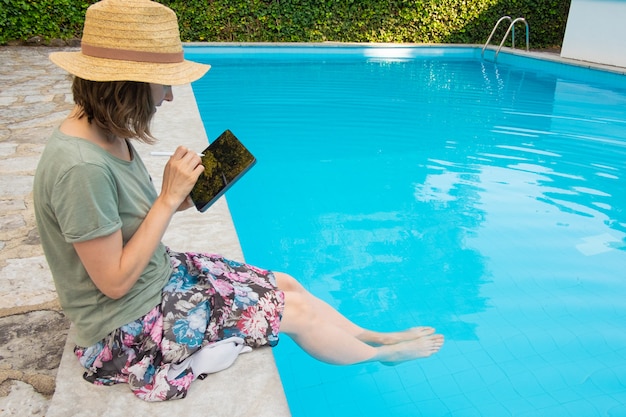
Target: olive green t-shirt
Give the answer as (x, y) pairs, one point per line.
(82, 192)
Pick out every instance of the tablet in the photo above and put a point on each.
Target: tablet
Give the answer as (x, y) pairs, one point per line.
(225, 161)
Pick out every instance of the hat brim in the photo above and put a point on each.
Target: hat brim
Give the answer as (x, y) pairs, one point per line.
(102, 69)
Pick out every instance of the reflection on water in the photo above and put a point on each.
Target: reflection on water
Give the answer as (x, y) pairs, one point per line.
(486, 200)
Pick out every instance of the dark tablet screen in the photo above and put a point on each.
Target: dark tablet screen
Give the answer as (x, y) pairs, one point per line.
(225, 161)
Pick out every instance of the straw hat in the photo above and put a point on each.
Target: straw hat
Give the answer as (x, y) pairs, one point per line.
(130, 40)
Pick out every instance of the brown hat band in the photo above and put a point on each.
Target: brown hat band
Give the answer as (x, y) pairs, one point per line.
(127, 55)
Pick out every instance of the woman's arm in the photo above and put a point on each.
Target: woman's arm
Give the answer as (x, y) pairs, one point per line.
(115, 268)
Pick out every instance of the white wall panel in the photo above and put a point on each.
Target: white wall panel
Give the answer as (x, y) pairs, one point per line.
(596, 32)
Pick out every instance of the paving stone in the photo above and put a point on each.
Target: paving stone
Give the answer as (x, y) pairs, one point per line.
(19, 164)
(21, 72)
(11, 222)
(4, 133)
(37, 98)
(16, 185)
(32, 238)
(34, 136)
(44, 120)
(23, 401)
(32, 84)
(26, 282)
(11, 205)
(8, 100)
(33, 342)
(21, 113)
(7, 149)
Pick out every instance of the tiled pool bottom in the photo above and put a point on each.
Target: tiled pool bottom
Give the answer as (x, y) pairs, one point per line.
(484, 199)
(543, 346)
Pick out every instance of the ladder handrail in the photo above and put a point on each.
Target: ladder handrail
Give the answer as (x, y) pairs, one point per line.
(512, 26)
(494, 31)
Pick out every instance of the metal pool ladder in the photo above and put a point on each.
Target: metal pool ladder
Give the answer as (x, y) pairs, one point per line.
(511, 28)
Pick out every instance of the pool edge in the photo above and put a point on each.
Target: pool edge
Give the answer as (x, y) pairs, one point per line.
(536, 54)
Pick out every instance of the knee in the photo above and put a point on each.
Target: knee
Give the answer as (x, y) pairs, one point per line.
(298, 313)
(287, 283)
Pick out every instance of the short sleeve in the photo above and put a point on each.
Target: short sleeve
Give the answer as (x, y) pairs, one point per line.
(85, 202)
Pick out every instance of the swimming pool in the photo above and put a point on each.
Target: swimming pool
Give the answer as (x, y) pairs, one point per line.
(423, 185)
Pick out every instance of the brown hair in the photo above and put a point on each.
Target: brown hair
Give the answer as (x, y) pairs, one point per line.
(122, 109)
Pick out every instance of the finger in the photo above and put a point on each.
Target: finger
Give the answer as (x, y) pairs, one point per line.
(180, 152)
(190, 157)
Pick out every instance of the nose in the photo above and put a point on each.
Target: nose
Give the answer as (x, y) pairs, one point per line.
(169, 95)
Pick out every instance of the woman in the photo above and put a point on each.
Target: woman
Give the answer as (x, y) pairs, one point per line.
(144, 314)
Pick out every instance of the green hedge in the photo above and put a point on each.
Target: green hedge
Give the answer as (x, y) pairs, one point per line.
(23, 19)
(421, 21)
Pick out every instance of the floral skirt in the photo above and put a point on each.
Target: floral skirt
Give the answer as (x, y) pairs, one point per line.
(207, 299)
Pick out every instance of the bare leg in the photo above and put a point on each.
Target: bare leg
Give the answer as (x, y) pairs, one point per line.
(328, 336)
(320, 339)
(329, 314)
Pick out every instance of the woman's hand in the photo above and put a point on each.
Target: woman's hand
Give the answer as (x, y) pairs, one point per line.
(181, 173)
(114, 267)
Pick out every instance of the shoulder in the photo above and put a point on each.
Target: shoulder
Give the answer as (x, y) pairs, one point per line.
(63, 150)
(66, 147)
(66, 157)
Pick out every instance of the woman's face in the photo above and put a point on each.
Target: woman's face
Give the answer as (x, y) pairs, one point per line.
(161, 92)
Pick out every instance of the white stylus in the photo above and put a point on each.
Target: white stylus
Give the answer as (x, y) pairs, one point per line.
(167, 153)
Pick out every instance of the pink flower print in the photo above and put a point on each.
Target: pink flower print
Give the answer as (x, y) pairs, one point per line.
(260, 281)
(223, 287)
(153, 315)
(106, 354)
(182, 383)
(253, 323)
(157, 391)
(269, 310)
(235, 276)
(128, 340)
(213, 268)
(258, 270)
(156, 331)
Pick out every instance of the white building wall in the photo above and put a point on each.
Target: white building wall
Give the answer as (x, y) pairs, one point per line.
(596, 32)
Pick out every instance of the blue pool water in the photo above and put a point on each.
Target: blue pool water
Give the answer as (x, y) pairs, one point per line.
(413, 186)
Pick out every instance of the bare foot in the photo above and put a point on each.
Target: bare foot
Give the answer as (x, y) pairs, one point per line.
(421, 347)
(392, 338)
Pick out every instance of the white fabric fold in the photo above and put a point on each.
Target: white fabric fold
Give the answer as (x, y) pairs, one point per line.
(211, 358)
